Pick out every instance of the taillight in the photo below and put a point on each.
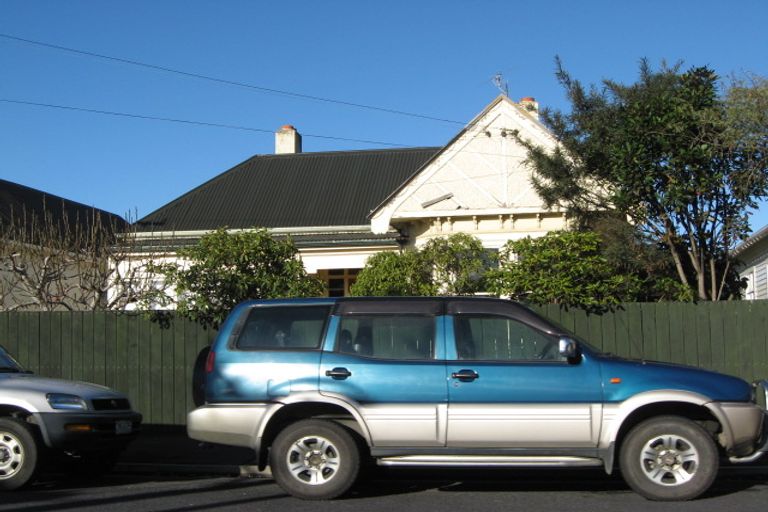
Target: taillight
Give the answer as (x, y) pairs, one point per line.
(209, 362)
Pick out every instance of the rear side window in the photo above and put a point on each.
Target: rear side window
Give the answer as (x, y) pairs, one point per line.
(387, 336)
(283, 327)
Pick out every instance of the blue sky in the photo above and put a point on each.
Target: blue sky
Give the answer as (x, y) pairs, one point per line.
(433, 58)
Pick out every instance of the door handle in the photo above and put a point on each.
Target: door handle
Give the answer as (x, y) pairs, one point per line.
(338, 373)
(465, 375)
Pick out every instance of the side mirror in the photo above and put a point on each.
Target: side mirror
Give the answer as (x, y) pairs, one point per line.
(569, 348)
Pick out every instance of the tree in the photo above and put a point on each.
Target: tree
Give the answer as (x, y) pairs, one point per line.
(53, 261)
(682, 163)
(459, 263)
(405, 273)
(225, 268)
(630, 253)
(454, 265)
(563, 267)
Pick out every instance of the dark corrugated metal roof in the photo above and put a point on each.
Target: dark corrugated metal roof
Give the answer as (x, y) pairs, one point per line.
(20, 202)
(293, 190)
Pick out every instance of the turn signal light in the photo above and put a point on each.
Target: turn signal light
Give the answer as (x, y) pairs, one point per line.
(78, 428)
(615, 380)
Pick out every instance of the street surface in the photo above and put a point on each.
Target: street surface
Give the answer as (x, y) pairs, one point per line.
(390, 490)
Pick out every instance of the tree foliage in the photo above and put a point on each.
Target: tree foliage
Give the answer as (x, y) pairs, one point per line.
(459, 263)
(563, 267)
(454, 265)
(405, 273)
(683, 163)
(225, 268)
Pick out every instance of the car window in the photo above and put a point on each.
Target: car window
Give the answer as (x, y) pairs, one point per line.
(283, 327)
(498, 338)
(8, 363)
(387, 336)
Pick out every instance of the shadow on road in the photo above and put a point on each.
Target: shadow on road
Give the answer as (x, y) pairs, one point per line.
(74, 493)
(386, 482)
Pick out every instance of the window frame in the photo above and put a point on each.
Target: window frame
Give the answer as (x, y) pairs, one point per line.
(434, 332)
(237, 331)
(554, 339)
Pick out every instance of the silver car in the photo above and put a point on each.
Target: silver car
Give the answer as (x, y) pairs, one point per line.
(87, 423)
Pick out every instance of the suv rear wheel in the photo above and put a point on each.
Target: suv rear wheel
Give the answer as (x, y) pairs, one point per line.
(669, 458)
(315, 459)
(18, 454)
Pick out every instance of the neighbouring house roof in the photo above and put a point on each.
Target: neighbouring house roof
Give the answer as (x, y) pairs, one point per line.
(30, 205)
(756, 239)
(292, 190)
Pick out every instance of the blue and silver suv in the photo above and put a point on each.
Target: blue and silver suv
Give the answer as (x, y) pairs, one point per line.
(315, 385)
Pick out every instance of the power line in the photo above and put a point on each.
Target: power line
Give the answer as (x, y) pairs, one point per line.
(227, 126)
(229, 82)
(186, 121)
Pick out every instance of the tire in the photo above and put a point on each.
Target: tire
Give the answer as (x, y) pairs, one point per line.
(315, 460)
(18, 454)
(198, 377)
(669, 458)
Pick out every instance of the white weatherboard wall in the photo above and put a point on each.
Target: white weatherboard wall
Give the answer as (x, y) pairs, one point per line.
(753, 258)
(478, 184)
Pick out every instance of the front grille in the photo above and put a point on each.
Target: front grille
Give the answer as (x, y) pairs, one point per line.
(111, 404)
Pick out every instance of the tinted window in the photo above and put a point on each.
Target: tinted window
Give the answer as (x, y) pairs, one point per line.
(290, 327)
(497, 338)
(387, 336)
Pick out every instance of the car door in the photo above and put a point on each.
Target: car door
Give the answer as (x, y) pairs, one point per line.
(509, 387)
(387, 360)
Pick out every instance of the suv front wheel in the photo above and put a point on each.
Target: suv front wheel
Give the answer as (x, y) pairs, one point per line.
(315, 459)
(669, 458)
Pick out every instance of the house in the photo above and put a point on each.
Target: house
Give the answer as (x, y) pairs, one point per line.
(752, 255)
(342, 207)
(46, 244)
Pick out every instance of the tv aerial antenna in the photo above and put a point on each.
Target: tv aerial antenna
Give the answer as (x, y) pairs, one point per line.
(500, 83)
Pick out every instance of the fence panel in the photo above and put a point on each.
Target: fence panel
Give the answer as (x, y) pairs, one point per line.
(153, 362)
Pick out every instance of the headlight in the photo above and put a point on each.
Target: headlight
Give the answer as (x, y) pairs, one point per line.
(66, 402)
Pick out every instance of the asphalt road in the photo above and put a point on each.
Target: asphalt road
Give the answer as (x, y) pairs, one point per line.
(382, 491)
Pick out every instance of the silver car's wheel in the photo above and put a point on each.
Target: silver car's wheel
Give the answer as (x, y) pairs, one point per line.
(11, 455)
(669, 458)
(315, 459)
(18, 454)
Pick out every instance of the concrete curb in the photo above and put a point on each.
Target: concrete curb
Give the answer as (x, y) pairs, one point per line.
(192, 469)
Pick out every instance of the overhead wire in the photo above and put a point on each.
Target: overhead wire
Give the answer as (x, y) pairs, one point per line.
(228, 82)
(190, 122)
(229, 126)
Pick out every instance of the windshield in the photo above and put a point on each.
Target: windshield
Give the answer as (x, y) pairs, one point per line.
(8, 363)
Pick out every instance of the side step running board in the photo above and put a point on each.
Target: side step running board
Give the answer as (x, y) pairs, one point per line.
(487, 461)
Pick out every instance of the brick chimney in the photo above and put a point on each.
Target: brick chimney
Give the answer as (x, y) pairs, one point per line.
(287, 140)
(530, 105)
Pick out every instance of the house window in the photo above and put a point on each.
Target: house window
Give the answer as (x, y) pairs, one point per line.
(749, 293)
(338, 280)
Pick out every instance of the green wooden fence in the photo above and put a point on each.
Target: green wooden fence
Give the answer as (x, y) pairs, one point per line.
(128, 352)
(729, 337)
(153, 363)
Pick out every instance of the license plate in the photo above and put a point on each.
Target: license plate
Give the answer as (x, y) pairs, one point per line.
(123, 427)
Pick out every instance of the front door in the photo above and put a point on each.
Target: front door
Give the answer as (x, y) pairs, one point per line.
(509, 387)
